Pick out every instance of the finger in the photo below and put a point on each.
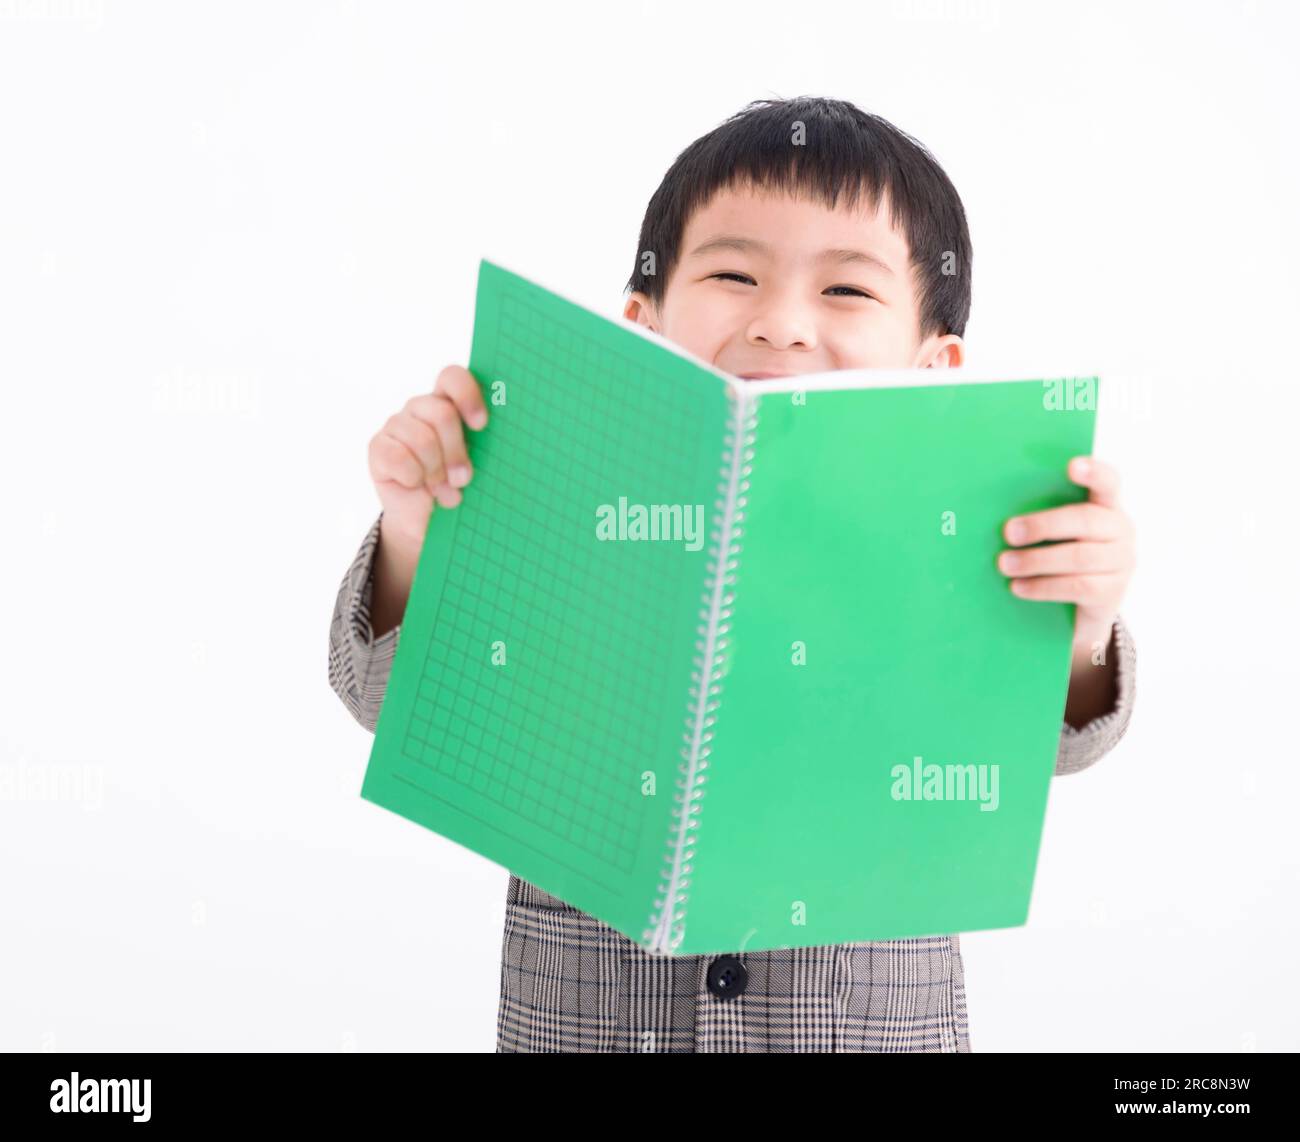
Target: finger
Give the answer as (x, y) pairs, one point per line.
(1073, 521)
(1101, 479)
(1087, 590)
(444, 418)
(461, 388)
(425, 443)
(390, 459)
(1068, 558)
(447, 496)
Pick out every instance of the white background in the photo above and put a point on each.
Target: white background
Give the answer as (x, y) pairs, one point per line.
(235, 237)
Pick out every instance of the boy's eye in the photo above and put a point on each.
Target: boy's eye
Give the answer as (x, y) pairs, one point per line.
(853, 291)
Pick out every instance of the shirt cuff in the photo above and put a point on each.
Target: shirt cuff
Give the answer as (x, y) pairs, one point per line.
(1080, 748)
(362, 580)
(360, 664)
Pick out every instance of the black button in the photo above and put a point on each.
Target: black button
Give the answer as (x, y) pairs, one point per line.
(727, 977)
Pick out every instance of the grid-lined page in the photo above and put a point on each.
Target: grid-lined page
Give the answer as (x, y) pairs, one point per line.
(537, 703)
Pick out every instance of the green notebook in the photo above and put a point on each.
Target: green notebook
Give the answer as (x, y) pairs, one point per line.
(729, 664)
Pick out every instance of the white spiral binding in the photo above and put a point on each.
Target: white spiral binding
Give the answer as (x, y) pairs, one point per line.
(668, 918)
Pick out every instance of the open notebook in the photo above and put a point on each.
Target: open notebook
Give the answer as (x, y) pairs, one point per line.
(730, 665)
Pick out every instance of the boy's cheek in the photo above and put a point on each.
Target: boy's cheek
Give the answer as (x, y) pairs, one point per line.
(701, 328)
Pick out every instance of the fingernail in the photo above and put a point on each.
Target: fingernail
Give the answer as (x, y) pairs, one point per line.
(477, 419)
(1081, 467)
(1007, 561)
(1016, 531)
(459, 476)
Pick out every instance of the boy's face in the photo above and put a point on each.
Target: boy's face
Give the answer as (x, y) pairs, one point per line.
(766, 285)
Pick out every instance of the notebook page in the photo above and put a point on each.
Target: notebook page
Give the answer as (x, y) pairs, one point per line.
(538, 699)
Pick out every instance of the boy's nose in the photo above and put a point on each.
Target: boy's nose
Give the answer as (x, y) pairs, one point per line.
(782, 329)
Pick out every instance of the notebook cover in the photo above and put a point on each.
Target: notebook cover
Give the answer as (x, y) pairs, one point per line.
(870, 536)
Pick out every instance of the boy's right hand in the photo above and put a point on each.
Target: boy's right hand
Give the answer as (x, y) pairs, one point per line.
(419, 456)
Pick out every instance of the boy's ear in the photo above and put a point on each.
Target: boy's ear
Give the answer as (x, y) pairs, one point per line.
(641, 311)
(946, 352)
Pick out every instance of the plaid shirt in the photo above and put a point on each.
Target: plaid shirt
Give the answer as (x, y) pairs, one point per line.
(571, 983)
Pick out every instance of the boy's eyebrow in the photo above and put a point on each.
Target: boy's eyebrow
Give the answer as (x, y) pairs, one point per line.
(747, 245)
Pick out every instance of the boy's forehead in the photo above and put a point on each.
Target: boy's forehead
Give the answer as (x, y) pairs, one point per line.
(796, 226)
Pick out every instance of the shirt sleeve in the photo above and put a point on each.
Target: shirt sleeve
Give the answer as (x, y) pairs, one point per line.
(1083, 747)
(359, 663)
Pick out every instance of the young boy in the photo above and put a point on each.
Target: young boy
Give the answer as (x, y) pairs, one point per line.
(799, 236)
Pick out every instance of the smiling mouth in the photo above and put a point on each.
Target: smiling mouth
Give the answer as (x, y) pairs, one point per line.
(761, 376)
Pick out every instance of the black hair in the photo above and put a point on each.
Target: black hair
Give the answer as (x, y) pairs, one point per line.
(846, 154)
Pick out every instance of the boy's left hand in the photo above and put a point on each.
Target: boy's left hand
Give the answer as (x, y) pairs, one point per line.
(1091, 570)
